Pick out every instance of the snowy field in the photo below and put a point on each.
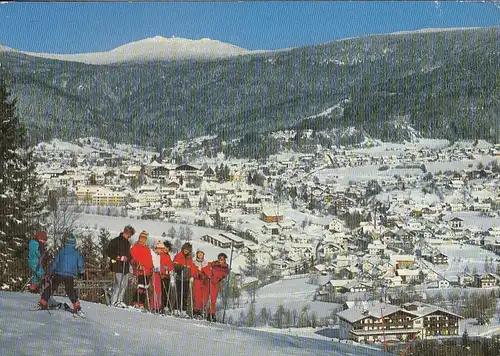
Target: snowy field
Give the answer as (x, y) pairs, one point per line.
(470, 256)
(109, 331)
(313, 333)
(363, 173)
(291, 293)
(155, 228)
(388, 148)
(435, 167)
(475, 220)
(369, 172)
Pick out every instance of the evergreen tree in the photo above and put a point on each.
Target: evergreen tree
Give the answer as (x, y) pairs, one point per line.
(104, 238)
(234, 289)
(288, 319)
(251, 318)
(227, 173)
(217, 219)
(21, 200)
(182, 233)
(465, 338)
(177, 244)
(279, 316)
(242, 320)
(304, 317)
(90, 251)
(314, 320)
(172, 232)
(264, 316)
(189, 234)
(251, 265)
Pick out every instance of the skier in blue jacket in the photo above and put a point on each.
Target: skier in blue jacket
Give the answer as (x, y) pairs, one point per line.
(36, 253)
(68, 263)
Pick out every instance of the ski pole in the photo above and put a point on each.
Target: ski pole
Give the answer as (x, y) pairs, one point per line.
(209, 301)
(191, 295)
(167, 294)
(137, 288)
(176, 295)
(26, 284)
(153, 309)
(146, 287)
(182, 291)
(227, 284)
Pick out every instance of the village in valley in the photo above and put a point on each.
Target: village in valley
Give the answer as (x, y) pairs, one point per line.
(382, 242)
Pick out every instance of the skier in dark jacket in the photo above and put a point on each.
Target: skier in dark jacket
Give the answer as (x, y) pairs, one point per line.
(119, 252)
(67, 264)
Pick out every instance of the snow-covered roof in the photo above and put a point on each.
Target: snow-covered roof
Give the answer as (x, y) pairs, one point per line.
(374, 310)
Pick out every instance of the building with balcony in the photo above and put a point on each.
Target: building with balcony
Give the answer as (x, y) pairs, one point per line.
(378, 322)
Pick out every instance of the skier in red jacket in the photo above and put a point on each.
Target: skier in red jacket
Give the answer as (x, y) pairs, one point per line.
(200, 285)
(216, 271)
(142, 264)
(166, 273)
(184, 270)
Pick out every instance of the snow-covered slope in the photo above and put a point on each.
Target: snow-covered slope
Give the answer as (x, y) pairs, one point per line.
(109, 331)
(5, 49)
(153, 49)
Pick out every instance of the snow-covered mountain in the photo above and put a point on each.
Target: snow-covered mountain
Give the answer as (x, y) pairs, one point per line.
(110, 331)
(151, 49)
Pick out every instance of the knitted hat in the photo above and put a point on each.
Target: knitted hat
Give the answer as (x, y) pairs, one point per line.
(143, 234)
(200, 250)
(159, 244)
(41, 236)
(222, 254)
(71, 239)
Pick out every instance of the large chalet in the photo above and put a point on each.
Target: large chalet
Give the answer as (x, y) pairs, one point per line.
(381, 322)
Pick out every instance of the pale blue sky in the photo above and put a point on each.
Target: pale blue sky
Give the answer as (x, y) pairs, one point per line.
(91, 27)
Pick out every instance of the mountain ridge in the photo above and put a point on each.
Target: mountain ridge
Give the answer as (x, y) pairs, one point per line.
(150, 49)
(430, 81)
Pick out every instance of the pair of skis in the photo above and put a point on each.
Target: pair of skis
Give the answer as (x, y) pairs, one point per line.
(63, 306)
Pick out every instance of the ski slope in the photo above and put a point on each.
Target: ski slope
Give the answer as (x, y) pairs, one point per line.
(110, 331)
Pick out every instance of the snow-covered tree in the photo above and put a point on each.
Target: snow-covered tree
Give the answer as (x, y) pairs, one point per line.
(251, 317)
(251, 265)
(177, 244)
(264, 316)
(189, 234)
(182, 233)
(278, 317)
(172, 233)
(22, 204)
(62, 219)
(104, 238)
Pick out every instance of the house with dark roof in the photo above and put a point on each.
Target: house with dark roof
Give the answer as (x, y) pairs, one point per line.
(378, 322)
(375, 322)
(433, 320)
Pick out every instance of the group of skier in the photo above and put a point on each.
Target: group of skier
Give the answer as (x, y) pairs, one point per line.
(67, 264)
(185, 284)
